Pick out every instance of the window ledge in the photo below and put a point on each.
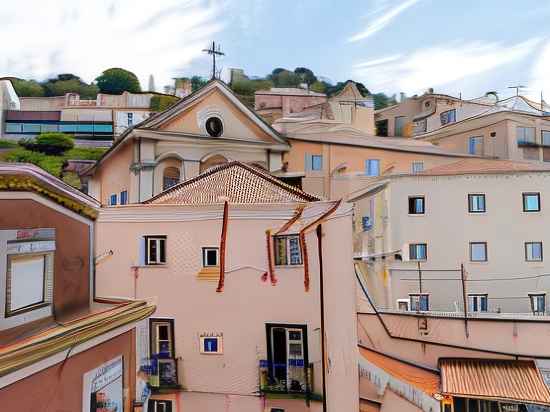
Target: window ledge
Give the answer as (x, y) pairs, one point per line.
(416, 214)
(209, 273)
(163, 266)
(289, 266)
(484, 262)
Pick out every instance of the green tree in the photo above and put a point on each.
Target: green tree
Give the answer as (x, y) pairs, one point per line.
(319, 87)
(381, 100)
(161, 102)
(117, 81)
(28, 88)
(246, 87)
(305, 75)
(332, 90)
(68, 83)
(197, 82)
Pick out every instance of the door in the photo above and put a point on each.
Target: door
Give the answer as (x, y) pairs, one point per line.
(158, 405)
(279, 355)
(288, 358)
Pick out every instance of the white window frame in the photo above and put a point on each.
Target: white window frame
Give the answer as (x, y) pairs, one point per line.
(205, 251)
(415, 245)
(417, 166)
(287, 250)
(414, 305)
(475, 299)
(155, 347)
(218, 338)
(523, 139)
(160, 242)
(407, 303)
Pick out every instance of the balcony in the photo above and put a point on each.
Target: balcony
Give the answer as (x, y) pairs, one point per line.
(163, 373)
(289, 380)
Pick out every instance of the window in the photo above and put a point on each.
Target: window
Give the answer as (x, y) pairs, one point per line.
(417, 167)
(448, 117)
(113, 200)
(158, 405)
(419, 302)
(399, 125)
(533, 251)
(211, 344)
(478, 302)
(382, 127)
(31, 128)
(416, 205)
(26, 281)
(130, 117)
(287, 250)
(403, 304)
(210, 256)
(14, 127)
(420, 126)
(155, 250)
(531, 202)
(214, 126)
(525, 135)
(44, 128)
(163, 352)
(476, 203)
(418, 251)
(538, 303)
(103, 128)
(170, 177)
(475, 145)
(478, 251)
(372, 167)
(545, 138)
(316, 162)
(124, 197)
(366, 223)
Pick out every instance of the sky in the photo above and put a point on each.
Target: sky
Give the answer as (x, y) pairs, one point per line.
(466, 47)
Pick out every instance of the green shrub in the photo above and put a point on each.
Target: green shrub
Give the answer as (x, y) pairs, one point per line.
(7, 144)
(85, 153)
(51, 164)
(54, 143)
(28, 143)
(160, 103)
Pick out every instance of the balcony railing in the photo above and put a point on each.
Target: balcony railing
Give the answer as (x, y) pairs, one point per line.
(162, 372)
(292, 377)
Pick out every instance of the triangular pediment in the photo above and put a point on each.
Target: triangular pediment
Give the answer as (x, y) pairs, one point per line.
(215, 100)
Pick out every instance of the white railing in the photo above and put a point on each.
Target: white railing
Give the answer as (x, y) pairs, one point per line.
(471, 315)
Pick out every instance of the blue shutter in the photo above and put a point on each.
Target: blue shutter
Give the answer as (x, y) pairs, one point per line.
(308, 162)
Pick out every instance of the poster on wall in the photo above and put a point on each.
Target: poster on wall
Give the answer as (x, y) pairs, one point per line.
(103, 390)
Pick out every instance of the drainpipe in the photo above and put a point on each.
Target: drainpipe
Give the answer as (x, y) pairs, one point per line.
(319, 232)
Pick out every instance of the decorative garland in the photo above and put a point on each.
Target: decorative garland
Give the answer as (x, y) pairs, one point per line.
(222, 247)
(24, 184)
(303, 245)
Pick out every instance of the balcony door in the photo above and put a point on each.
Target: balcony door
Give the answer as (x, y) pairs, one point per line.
(287, 353)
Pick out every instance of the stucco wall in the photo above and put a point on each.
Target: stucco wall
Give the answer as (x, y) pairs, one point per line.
(60, 387)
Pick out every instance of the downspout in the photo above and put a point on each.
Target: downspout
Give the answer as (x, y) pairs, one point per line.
(221, 280)
(319, 232)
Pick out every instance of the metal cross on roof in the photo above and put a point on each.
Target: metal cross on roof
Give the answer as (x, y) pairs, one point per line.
(214, 51)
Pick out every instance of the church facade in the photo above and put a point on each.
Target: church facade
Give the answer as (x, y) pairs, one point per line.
(207, 128)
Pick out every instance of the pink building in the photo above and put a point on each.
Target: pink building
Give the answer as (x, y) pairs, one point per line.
(255, 289)
(282, 101)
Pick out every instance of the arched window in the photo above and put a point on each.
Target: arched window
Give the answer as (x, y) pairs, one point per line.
(212, 161)
(170, 177)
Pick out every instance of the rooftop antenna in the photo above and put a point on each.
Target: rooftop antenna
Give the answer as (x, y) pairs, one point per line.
(214, 50)
(519, 86)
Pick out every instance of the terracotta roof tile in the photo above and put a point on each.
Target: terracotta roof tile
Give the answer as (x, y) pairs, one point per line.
(238, 182)
(514, 380)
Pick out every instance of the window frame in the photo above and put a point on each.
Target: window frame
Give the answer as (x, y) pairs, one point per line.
(111, 201)
(525, 195)
(205, 251)
(542, 132)
(445, 115)
(368, 168)
(474, 140)
(479, 304)
(124, 197)
(412, 202)
(526, 244)
(313, 164)
(524, 141)
(159, 239)
(171, 339)
(412, 307)
(287, 250)
(416, 163)
(470, 203)
(130, 118)
(486, 252)
(219, 345)
(415, 245)
(532, 299)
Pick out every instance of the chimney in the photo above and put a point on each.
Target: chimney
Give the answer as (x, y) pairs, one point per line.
(402, 97)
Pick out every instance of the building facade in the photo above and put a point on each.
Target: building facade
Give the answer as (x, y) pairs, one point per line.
(209, 127)
(61, 346)
(255, 287)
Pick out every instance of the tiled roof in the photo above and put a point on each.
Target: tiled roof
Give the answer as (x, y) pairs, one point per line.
(485, 166)
(512, 380)
(233, 181)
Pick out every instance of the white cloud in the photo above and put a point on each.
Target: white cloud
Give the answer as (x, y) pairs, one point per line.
(440, 65)
(540, 81)
(147, 37)
(383, 18)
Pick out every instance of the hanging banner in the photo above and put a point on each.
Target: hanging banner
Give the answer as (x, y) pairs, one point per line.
(103, 390)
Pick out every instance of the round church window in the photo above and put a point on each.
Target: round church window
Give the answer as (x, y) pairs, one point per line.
(214, 126)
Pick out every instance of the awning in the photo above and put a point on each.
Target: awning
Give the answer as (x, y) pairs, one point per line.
(496, 379)
(420, 378)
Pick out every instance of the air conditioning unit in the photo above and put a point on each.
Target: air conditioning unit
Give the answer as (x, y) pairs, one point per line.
(403, 305)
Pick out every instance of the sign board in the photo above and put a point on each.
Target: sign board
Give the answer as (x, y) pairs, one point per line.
(103, 391)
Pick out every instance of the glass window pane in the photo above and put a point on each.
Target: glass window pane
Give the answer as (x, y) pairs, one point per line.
(373, 167)
(531, 202)
(85, 128)
(103, 128)
(68, 128)
(31, 128)
(478, 252)
(14, 127)
(317, 162)
(26, 281)
(280, 250)
(546, 138)
(294, 249)
(49, 128)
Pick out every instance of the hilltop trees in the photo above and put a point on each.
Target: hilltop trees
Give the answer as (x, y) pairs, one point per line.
(117, 81)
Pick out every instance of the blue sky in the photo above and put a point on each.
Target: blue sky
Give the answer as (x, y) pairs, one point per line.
(466, 46)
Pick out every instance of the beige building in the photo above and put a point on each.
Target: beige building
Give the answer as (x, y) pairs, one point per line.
(255, 288)
(209, 127)
(515, 128)
(473, 231)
